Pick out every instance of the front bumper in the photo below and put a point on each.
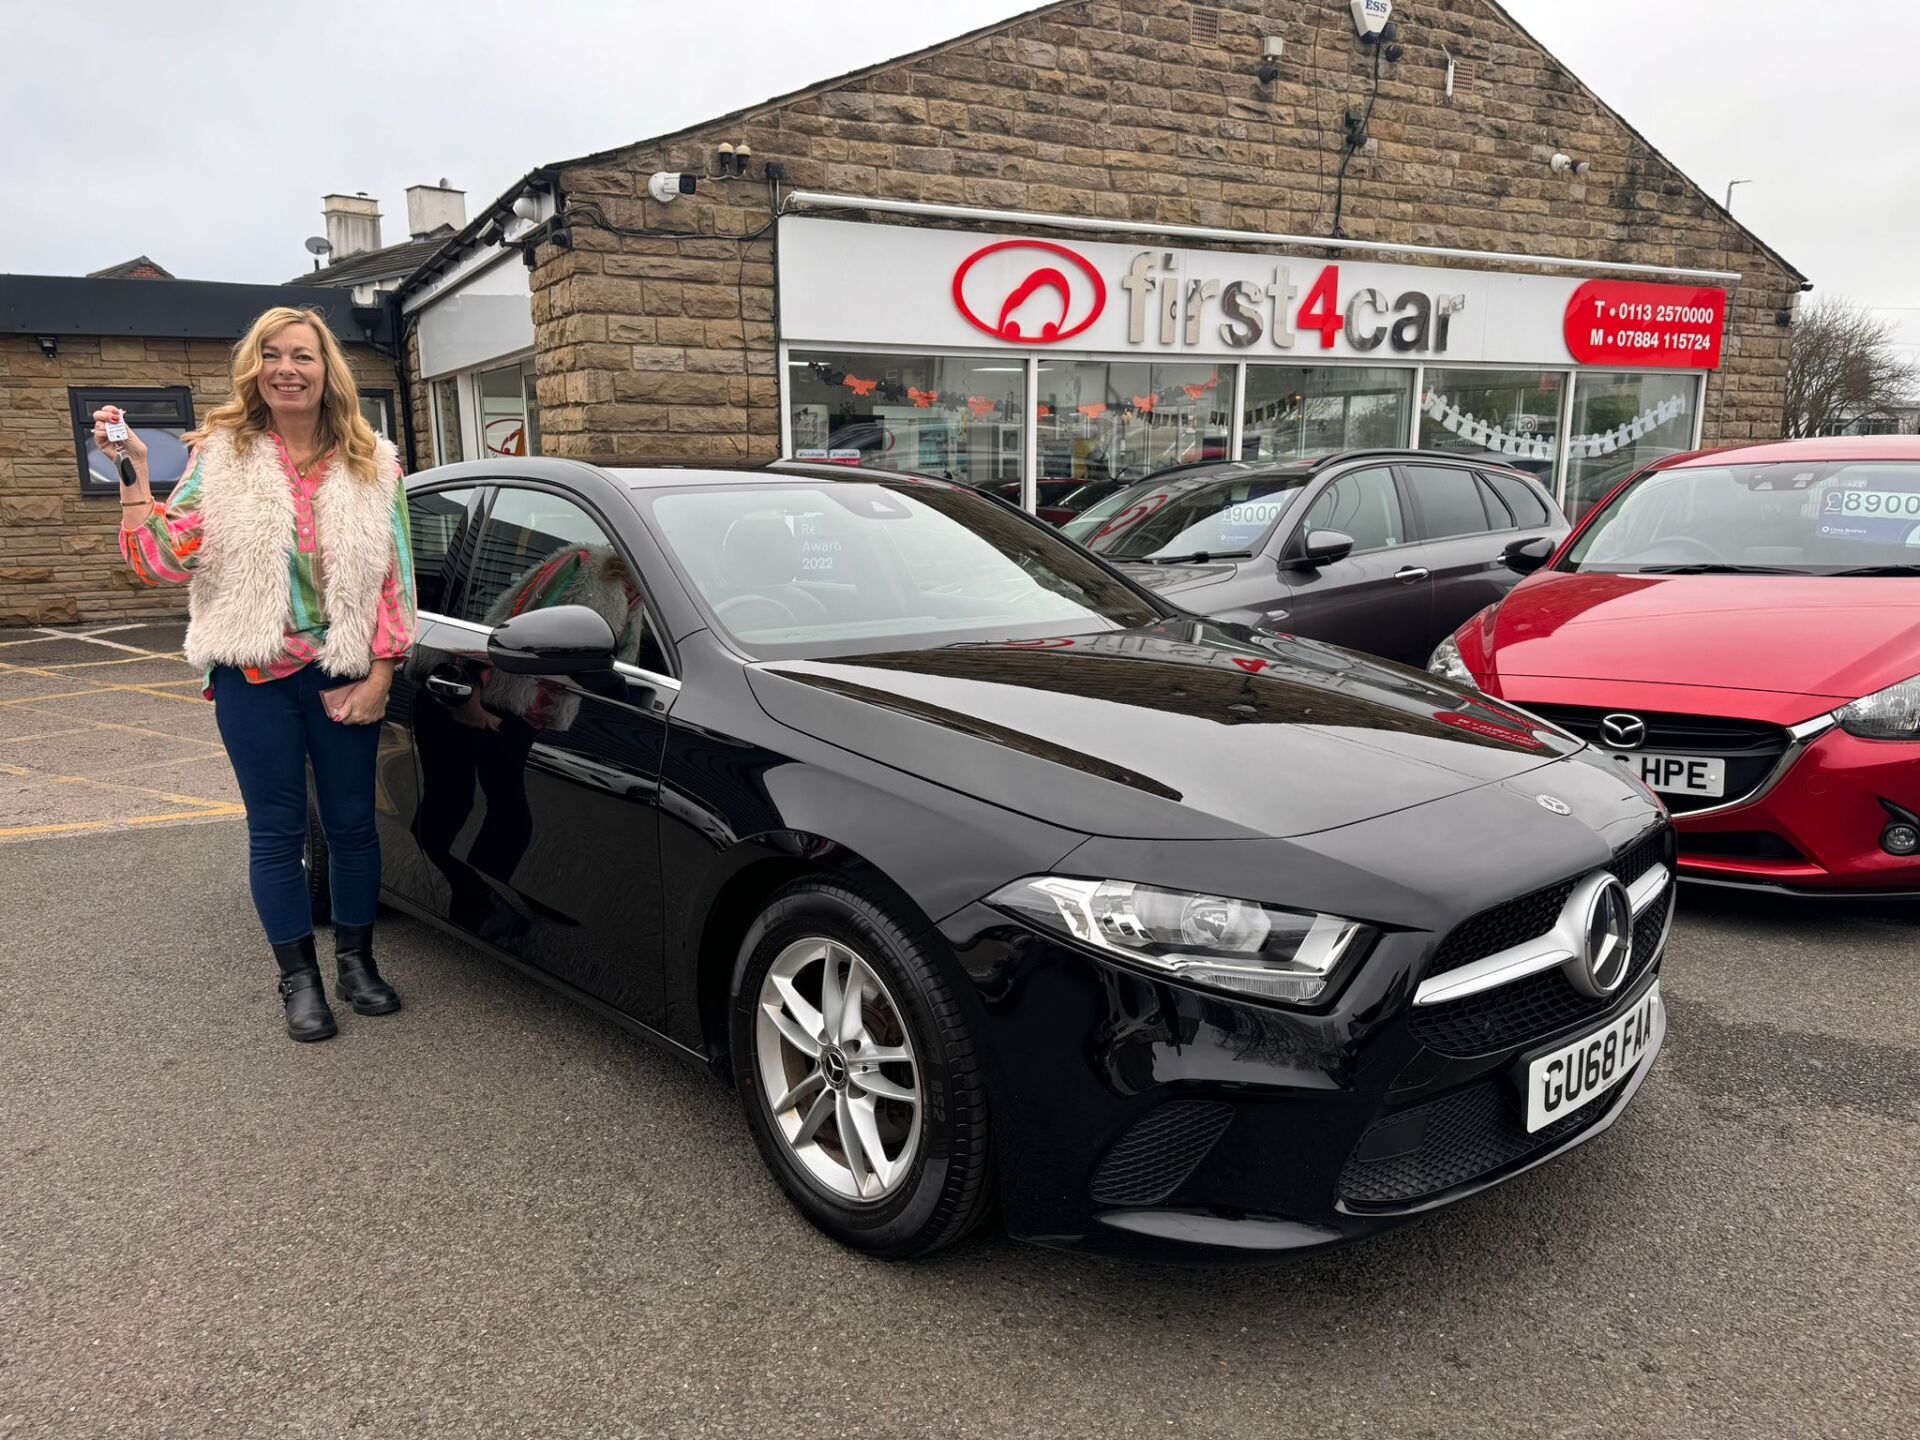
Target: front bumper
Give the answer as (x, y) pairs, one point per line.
(1134, 1116)
(1819, 825)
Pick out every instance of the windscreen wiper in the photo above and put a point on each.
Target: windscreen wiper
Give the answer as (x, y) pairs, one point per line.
(1718, 568)
(1879, 570)
(1198, 557)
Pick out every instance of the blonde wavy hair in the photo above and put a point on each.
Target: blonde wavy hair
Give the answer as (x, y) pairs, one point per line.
(244, 412)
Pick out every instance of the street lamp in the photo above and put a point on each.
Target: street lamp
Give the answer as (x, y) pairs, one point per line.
(1730, 185)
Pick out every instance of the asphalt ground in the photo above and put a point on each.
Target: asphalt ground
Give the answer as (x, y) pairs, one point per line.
(495, 1214)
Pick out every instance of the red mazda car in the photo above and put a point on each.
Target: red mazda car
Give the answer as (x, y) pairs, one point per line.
(1742, 628)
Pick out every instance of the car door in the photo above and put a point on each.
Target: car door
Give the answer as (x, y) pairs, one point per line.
(539, 793)
(444, 525)
(1464, 528)
(1373, 600)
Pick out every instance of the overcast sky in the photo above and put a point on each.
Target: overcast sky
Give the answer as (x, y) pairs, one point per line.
(203, 132)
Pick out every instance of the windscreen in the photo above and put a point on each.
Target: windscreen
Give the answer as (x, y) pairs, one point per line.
(845, 568)
(1804, 517)
(1186, 518)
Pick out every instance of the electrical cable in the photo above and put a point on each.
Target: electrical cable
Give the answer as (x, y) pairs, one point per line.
(1356, 137)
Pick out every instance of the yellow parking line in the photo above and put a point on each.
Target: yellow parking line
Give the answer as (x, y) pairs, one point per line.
(47, 735)
(64, 695)
(96, 664)
(17, 832)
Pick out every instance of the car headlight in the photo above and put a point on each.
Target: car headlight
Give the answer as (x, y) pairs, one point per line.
(1212, 940)
(1447, 664)
(1889, 714)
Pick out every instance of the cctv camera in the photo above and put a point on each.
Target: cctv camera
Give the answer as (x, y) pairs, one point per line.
(670, 185)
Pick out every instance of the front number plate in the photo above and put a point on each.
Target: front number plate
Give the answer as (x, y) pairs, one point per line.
(1678, 774)
(1575, 1075)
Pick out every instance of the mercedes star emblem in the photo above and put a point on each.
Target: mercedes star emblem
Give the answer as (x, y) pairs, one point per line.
(1623, 732)
(1606, 941)
(1555, 804)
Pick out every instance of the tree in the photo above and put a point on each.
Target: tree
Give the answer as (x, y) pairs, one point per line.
(1842, 366)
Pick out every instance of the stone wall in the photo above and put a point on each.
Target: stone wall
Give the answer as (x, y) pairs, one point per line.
(59, 558)
(656, 330)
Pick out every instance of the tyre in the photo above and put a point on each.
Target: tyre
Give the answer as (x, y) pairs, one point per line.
(319, 882)
(857, 1073)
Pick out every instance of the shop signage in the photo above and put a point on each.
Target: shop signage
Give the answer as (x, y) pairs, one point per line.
(1624, 322)
(907, 287)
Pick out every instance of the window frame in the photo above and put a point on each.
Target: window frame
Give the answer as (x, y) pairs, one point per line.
(494, 486)
(385, 396)
(1296, 545)
(83, 400)
(480, 503)
(1481, 489)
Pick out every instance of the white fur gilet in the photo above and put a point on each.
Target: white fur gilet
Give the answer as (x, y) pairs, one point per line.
(240, 600)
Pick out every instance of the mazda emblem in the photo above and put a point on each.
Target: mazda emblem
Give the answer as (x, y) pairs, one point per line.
(1623, 732)
(1555, 804)
(1606, 941)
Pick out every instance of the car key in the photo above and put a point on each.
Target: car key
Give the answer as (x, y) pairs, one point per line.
(117, 435)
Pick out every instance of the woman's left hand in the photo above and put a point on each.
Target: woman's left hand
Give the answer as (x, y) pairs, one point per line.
(362, 703)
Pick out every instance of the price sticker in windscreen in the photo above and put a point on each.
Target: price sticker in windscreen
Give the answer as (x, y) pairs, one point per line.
(1884, 510)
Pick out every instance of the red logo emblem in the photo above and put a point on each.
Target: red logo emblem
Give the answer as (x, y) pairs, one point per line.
(1036, 292)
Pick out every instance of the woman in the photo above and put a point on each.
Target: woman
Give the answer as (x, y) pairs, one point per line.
(290, 532)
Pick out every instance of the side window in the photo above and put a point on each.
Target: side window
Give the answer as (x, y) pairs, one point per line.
(1499, 514)
(443, 525)
(1365, 505)
(1450, 502)
(1522, 499)
(539, 550)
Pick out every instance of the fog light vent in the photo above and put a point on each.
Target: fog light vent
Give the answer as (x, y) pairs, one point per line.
(1155, 1157)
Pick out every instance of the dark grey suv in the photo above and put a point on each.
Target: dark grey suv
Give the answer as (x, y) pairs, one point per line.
(1386, 551)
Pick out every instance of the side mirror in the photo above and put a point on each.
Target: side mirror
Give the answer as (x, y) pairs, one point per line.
(1523, 557)
(1323, 547)
(561, 640)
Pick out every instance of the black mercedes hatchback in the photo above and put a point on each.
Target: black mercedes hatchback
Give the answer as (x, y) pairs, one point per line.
(1386, 551)
(992, 882)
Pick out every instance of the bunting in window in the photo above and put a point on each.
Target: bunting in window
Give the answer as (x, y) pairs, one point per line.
(860, 388)
(1092, 412)
(981, 406)
(1144, 404)
(923, 399)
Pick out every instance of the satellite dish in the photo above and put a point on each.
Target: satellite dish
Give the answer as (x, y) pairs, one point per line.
(319, 245)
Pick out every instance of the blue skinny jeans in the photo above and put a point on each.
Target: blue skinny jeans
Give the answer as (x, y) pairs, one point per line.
(271, 731)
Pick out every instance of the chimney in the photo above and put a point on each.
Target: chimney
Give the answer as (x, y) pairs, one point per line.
(431, 206)
(353, 224)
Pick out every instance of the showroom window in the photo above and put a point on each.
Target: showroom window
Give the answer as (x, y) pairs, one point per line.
(950, 415)
(1297, 411)
(159, 416)
(1620, 422)
(1512, 416)
(509, 421)
(1122, 419)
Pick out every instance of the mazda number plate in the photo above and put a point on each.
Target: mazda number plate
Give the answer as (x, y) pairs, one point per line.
(1679, 774)
(1575, 1075)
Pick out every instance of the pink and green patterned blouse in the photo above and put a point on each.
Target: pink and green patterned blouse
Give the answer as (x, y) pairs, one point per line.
(166, 547)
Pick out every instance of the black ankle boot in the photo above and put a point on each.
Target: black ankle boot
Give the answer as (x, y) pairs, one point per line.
(308, 1017)
(360, 983)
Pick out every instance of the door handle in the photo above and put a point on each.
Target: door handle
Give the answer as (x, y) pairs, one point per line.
(1410, 574)
(456, 692)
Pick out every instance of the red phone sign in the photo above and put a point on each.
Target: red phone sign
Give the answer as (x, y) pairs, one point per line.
(1627, 322)
(1068, 292)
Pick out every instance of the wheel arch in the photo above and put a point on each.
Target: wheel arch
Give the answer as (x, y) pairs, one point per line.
(742, 882)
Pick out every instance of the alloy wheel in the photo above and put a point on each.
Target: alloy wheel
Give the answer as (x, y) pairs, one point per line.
(837, 1070)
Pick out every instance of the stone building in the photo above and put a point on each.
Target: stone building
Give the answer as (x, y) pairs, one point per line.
(1110, 235)
(160, 348)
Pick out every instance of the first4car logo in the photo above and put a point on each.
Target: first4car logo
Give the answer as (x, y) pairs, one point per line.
(1036, 292)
